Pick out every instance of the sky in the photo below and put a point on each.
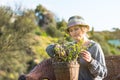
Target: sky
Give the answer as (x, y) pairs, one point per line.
(100, 14)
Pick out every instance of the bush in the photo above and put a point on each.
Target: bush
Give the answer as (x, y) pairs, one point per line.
(53, 32)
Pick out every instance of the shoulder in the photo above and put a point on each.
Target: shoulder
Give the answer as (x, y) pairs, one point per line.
(95, 45)
(96, 49)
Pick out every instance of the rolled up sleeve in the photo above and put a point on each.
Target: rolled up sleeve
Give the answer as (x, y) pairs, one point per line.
(97, 66)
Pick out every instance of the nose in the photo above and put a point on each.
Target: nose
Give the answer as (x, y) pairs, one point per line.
(74, 31)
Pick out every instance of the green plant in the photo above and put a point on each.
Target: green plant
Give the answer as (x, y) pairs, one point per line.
(67, 52)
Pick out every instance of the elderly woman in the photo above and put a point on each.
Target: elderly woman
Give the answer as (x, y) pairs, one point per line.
(92, 61)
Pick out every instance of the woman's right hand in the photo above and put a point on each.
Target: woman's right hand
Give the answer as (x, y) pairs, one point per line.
(86, 56)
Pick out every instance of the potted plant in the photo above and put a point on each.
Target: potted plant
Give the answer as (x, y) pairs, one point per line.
(65, 60)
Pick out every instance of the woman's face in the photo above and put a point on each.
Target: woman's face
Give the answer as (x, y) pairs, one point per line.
(77, 33)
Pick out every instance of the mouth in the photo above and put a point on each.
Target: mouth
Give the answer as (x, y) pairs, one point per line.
(76, 36)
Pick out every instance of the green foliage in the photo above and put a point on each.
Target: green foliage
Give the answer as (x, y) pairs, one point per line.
(40, 9)
(68, 52)
(42, 43)
(116, 34)
(62, 25)
(97, 37)
(15, 40)
(102, 38)
(5, 15)
(106, 48)
(38, 31)
(114, 50)
(45, 18)
(53, 32)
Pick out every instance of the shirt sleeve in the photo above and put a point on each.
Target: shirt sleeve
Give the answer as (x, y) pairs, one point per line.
(97, 66)
(50, 50)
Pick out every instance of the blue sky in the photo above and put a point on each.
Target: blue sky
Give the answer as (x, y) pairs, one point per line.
(100, 14)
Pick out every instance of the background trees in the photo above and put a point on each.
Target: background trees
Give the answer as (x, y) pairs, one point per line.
(15, 41)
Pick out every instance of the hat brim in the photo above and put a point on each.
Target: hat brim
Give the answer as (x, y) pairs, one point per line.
(80, 25)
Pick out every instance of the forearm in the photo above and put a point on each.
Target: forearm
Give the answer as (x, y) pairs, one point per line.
(97, 69)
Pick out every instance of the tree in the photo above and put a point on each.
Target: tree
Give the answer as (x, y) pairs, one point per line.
(45, 17)
(62, 25)
(15, 41)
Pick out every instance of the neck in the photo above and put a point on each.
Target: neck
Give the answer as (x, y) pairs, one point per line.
(84, 39)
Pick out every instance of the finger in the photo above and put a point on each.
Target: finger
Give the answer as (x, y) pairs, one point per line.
(86, 59)
(83, 53)
(86, 55)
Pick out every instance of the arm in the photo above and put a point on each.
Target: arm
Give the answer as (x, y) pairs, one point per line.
(97, 66)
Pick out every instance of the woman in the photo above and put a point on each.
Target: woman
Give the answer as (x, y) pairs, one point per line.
(92, 61)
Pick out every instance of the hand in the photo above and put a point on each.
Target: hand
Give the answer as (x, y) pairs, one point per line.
(59, 50)
(86, 56)
(57, 46)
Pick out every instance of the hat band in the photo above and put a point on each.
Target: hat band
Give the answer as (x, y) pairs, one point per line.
(76, 23)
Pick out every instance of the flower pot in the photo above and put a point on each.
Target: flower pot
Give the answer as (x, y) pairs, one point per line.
(66, 70)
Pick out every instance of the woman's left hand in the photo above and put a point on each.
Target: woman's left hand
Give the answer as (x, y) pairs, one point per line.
(86, 56)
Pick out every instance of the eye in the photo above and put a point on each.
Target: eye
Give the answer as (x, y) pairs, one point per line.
(74, 29)
(77, 28)
(70, 30)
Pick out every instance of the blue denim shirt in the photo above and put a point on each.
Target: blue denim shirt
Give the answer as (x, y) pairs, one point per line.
(96, 70)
